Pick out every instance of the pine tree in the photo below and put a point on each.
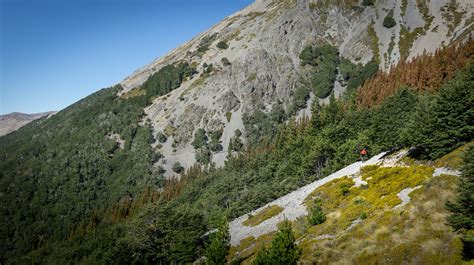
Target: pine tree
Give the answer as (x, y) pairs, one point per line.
(462, 217)
(218, 246)
(283, 250)
(316, 215)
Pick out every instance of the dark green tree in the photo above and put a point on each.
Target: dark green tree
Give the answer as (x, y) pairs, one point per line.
(161, 137)
(462, 217)
(177, 167)
(222, 45)
(389, 22)
(200, 138)
(218, 245)
(316, 215)
(283, 249)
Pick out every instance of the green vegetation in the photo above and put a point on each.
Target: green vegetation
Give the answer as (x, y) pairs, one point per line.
(218, 246)
(72, 172)
(300, 97)
(235, 143)
(263, 215)
(385, 234)
(453, 159)
(374, 43)
(200, 138)
(167, 79)
(228, 116)
(263, 126)
(215, 144)
(222, 45)
(444, 120)
(388, 21)
(283, 249)
(205, 43)
(407, 38)
(368, 2)
(161, 137)
(73, 196)
(225, 61)
(326, 60)
(354, 75)
(462, 217)
(204, 148)
(316, 215)
(178, 168)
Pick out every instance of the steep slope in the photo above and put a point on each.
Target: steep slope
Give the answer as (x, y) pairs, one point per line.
(389, 212)
(258, 65)
(88, 186)
(15, 120)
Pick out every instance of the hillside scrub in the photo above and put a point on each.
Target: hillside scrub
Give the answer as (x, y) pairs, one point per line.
(423, 73)
(462, 209)
(263, 215)
(325, 61)
(385, 235)
(283, 249)
(163, 221)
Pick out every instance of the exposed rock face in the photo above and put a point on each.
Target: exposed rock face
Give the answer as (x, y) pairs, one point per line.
(15, 120)
(264, 42)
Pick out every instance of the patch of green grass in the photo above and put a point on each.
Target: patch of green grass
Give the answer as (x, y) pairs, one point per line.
(251, 77)
(416, 233)
(263, 215)
(454, 159)
(407, 38)
(452, 15)
(136, 92)
(374, 44)
(228, 116)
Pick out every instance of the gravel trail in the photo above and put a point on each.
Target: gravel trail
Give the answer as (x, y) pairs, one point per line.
(292, 203)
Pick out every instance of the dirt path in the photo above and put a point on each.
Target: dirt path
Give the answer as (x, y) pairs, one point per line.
(292, 204)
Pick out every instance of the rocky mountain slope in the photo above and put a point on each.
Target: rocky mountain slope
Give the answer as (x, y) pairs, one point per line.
(15, 120)
(254, 59)
(379, 210)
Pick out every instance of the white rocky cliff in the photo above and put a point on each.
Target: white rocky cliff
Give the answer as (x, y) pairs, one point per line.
(264, 42)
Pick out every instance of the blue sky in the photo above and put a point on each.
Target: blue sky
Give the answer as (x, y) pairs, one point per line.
(55, 52)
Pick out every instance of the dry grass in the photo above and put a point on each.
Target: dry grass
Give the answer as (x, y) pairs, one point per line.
(134, 93)
(416, 233)
(263, 215)
(454, 159)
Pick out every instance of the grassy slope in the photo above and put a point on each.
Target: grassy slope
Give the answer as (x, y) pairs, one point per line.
(415, 232)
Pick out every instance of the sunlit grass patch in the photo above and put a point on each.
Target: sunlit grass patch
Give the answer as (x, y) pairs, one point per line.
(454, 159)
(263, 215)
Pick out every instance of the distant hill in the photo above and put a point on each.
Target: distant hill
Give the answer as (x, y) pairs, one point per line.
(15, 120)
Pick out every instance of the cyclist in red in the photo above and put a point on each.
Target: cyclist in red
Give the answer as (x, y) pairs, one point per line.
(363, 154)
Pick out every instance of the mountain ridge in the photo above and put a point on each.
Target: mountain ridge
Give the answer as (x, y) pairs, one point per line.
(264, 43)
(13, 121)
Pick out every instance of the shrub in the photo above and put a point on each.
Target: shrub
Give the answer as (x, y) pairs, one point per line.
(462, 217)
(222, 45)
(218, 245)
(263, 215)
(283, 249)
(200, 138)
(177, 168)
(316, 215)
(225, 61)
(228, 116)
(368, 2)
(161, 137)
(215, 144)
(389, 22)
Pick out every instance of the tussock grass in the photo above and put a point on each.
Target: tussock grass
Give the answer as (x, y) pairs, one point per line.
(263, 215)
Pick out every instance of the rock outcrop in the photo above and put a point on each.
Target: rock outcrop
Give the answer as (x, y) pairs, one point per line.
(259, 63)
